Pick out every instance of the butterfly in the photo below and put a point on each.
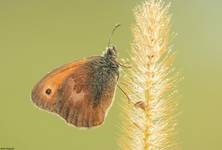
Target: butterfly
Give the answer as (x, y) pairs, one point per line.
(80, 92)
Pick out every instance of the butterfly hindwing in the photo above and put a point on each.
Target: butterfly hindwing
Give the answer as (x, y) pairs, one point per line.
(84, 99)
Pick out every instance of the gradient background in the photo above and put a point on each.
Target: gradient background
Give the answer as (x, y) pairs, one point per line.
(39, 35)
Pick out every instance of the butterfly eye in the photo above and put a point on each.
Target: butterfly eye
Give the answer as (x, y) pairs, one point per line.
(48, 91)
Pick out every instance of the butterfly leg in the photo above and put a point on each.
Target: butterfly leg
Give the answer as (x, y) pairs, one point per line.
(127, 96)
(139, 104)
(123, 65)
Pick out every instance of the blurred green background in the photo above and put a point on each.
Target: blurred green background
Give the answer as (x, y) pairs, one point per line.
(39, 35)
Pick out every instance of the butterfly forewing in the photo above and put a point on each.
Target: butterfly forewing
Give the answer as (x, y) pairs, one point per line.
(44, 93)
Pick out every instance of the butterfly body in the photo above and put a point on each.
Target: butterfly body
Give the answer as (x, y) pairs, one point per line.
(80, 92)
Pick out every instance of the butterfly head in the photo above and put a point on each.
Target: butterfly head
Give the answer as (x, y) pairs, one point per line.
(111, 53)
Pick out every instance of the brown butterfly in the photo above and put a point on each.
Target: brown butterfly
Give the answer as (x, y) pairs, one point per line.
(80, 92)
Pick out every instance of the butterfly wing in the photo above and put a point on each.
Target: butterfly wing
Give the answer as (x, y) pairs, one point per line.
(45, 92)
(80, 92)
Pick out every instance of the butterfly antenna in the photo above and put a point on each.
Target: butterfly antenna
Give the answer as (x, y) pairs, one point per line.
(110, 37)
